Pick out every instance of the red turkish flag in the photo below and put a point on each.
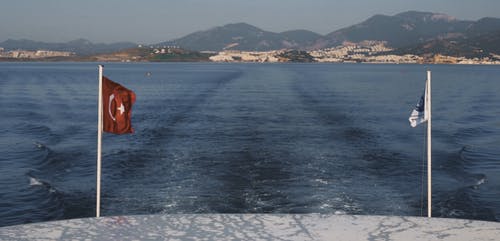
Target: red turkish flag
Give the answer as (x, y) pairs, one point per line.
(117, 107)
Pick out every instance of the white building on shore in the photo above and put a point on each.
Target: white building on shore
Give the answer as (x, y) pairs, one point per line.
(37, 54)
(244, 56)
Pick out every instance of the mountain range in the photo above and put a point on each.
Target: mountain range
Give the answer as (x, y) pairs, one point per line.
(407, 32)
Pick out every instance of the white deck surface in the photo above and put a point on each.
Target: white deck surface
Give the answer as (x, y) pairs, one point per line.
(255, 227)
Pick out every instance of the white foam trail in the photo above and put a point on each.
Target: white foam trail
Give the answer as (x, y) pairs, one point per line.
(39, 145)
(35, 182)
(481, 181)
(322, 181)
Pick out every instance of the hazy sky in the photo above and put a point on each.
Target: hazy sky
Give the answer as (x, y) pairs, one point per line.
(153, 21)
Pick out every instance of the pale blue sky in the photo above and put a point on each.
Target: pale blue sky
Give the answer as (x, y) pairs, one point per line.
(152, 21)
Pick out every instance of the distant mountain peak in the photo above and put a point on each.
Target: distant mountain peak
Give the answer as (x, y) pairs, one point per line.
(243, 36)
(403, 29)
(242, 27)
(425, 16)
(239, 25)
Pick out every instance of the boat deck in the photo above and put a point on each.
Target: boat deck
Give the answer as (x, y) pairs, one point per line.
(254, 227)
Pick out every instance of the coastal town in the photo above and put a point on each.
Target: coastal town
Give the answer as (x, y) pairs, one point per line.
(362, 52)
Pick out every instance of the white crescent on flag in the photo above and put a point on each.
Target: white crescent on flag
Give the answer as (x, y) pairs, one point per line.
(121, 108)
(111, 98)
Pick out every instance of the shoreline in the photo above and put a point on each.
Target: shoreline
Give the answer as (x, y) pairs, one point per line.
(240, 62)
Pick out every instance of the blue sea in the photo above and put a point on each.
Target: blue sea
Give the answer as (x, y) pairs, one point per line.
(249, 138)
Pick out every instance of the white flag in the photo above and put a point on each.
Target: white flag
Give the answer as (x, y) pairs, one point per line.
(419, 114)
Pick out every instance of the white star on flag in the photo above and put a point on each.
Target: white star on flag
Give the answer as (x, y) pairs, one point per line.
(121, 109)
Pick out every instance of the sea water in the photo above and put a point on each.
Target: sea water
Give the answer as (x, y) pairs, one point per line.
(249, 138)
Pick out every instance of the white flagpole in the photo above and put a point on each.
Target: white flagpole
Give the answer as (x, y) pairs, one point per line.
(429, 151)
(99, 146)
